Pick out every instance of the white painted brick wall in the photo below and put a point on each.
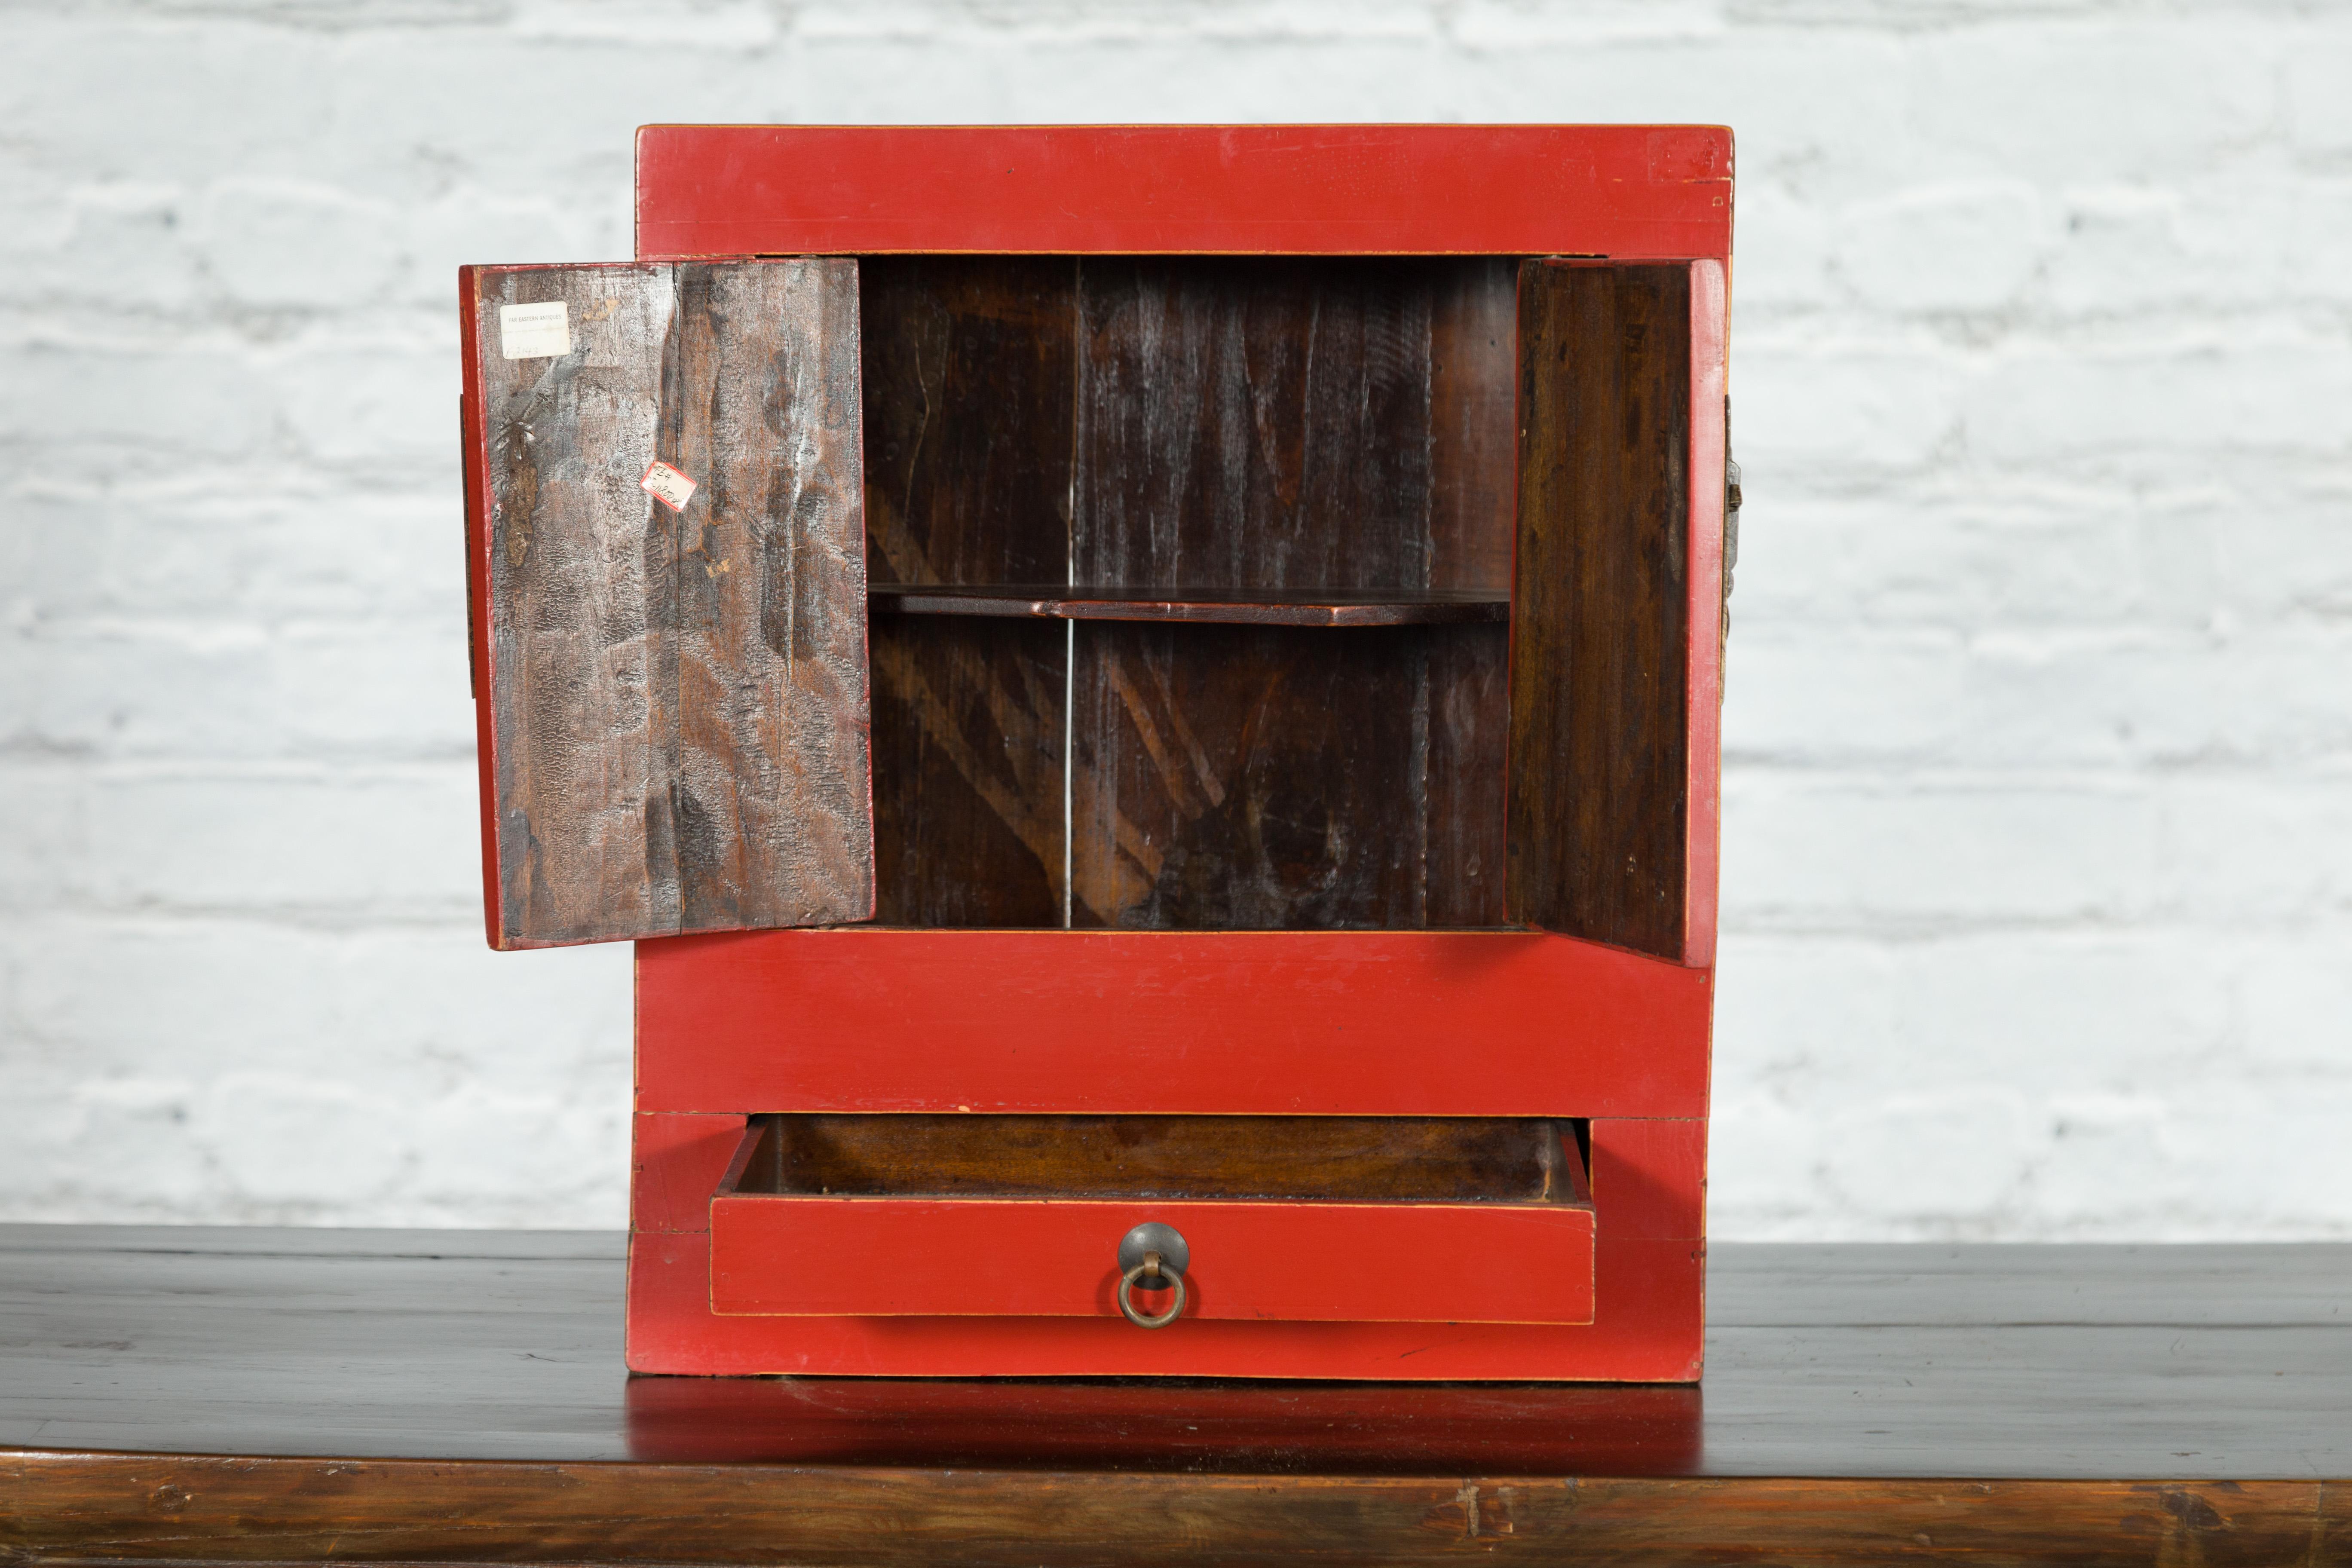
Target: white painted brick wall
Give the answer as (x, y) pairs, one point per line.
(2039, 865)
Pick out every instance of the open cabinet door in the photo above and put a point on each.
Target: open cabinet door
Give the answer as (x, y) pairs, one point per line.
(666, 572)
(1599, 772)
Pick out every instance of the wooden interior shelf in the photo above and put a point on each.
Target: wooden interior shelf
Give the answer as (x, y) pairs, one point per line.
(1244, 606)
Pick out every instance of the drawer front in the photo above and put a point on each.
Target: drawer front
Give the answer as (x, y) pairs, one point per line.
(1311, 1262)
(1299, 1220)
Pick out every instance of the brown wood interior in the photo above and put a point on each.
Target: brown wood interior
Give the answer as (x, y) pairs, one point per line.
(967, 743)
(1270, 777)
(1601, 608)
(1304, 470)
(1335, 1158)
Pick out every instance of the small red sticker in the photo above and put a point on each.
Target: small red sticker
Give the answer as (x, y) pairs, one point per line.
(666, 485)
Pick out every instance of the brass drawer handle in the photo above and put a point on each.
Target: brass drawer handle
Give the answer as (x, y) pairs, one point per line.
(1155, 1252)
(1151, 1265)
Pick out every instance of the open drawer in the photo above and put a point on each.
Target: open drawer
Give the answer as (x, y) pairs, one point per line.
(1297, 1219)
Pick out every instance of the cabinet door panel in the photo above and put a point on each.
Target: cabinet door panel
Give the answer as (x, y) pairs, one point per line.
(1598, 808)
(672, 681)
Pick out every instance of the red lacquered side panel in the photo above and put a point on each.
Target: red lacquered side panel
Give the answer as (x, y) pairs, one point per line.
(1276, 1262)
(675, 1164)
(1323, 1022)
(1649, 1177)
(1627, 192)
(1703, 682)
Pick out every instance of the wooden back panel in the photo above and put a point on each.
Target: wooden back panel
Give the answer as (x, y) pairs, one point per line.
(1599, 803)
(1254, 422)
(969, 373)
(1286, 778)
(674, 701)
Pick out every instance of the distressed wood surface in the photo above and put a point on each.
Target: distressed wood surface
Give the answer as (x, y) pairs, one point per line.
(571, 622)
(679, 700)
(967, 735)
(1387, 1159)
(1228, 422)
(1468, 727)
(105, 1507)
(1269, 424)
(1231, 1426)
(1473, 445)
(970, 364)
(1600, 611)
(1269, 607)
(773, 822)
(969, 370)
(1275, 777)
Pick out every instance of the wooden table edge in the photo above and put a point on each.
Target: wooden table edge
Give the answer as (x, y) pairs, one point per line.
(80, 1506)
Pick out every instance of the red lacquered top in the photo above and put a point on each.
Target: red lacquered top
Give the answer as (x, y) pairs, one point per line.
(1627, 192)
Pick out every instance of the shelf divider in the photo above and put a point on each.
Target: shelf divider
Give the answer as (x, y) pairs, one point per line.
(1247, 606)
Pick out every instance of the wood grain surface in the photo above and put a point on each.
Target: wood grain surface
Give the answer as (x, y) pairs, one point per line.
(100, 1507)
(1229, 1425)
(970, 365)
(1387, 1159)
(1599, 614)
(1472, 430)
(1234, 441)
(968, 762)
(1237, 606)
(1220, 424)
(678, 698)
(2201, 1370)
(1266, 423)
(1279, 777)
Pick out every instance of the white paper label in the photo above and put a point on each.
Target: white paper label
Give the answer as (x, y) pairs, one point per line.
(667, 486)
(535, 332)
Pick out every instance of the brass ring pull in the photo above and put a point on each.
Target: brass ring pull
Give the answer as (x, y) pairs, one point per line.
(1171, 1278)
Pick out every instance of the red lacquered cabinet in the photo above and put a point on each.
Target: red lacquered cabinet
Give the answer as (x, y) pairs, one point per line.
(1150, 699)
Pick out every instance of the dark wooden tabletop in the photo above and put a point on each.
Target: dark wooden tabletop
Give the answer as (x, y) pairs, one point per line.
(384, 1396)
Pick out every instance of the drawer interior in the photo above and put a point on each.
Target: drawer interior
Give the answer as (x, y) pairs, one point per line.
(1288, 1159)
